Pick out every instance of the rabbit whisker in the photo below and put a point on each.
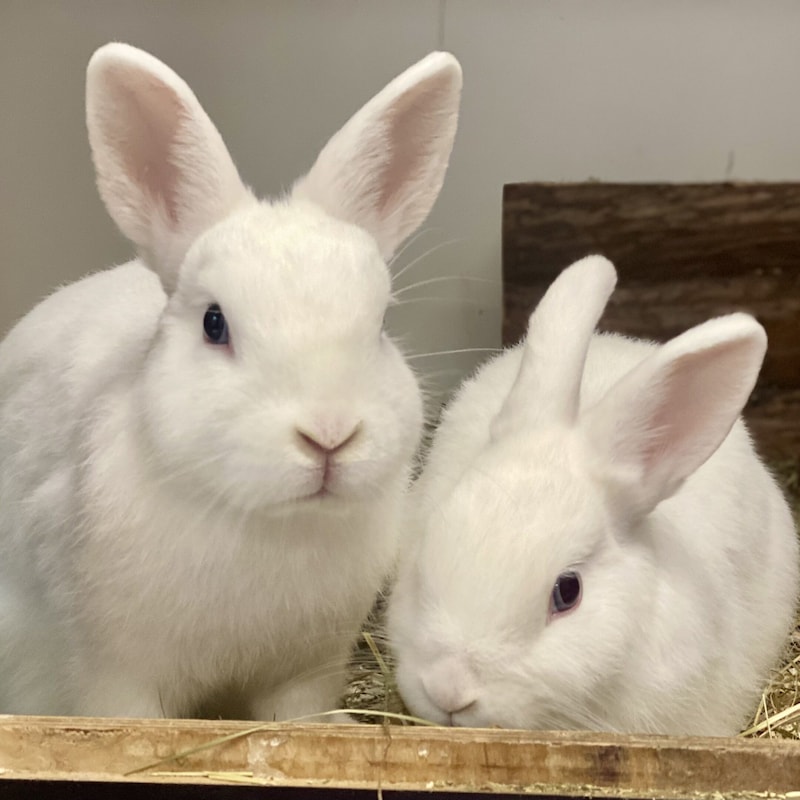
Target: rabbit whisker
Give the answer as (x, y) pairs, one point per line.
(423, 256)
(411, 241)
(457, 351)
(444, 279)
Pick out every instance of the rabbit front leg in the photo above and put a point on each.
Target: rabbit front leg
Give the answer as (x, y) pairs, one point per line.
(302, 697)
(109, 692)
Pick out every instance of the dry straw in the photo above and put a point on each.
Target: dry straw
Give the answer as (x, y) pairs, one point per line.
(778, 714)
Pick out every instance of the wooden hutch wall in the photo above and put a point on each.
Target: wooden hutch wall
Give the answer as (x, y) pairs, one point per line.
(684, 253)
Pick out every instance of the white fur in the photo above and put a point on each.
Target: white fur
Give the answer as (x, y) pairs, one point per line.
(162, 543)
(625, 461)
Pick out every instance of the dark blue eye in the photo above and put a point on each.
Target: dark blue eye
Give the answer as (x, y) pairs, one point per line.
(566, 592)
(215, 326)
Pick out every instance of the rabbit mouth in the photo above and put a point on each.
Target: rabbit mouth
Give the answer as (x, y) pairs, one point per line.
(336, 479)
(327, 483)
(321, 493)
(326, 474)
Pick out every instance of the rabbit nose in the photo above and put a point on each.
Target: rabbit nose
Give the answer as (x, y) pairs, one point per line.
(450, 685)
(326, 441)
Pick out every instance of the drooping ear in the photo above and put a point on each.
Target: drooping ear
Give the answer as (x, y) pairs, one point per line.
(669, 414)
(163, 171)
(384, 169)
(547, 388)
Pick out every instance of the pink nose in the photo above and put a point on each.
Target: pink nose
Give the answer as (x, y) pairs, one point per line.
(326, 441)
(450, 685)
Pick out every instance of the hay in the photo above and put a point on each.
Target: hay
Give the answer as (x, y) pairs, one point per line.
(778, 715)
(372, 686)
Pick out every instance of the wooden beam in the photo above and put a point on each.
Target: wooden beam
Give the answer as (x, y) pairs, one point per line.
(684, 253)
(329, 757)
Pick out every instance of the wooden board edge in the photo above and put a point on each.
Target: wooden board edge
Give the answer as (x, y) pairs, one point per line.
(563, 764)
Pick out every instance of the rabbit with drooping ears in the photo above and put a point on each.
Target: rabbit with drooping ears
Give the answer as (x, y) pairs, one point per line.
(203, 452)
(597, 545)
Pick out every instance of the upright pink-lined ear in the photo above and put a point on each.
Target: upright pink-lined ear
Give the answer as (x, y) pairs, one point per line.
(670, 413)
(163, 170)
(547, 388)
(384, 169)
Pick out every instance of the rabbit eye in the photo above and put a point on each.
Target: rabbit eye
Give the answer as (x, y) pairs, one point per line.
(215, 326)
(566, 592)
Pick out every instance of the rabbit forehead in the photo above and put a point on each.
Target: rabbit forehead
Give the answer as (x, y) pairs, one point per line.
(496, 545)
(291, 259)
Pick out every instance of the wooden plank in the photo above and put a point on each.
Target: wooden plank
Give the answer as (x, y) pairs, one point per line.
(328, 757)
(684, 253)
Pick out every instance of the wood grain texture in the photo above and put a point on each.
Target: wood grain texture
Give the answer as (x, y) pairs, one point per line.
(328, 757)
(684, 253)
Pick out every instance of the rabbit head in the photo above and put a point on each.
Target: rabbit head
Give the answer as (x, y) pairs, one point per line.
(271, 381)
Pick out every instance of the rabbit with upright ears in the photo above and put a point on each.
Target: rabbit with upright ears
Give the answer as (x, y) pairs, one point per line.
(597, 543)
(203, 452)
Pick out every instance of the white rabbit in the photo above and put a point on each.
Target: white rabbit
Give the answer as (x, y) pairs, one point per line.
(203, 451)
(597, 543)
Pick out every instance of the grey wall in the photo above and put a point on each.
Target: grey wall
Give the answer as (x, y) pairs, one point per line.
(686, 90)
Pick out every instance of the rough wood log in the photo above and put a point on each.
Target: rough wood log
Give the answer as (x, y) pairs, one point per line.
(330, 757)
(684, 253)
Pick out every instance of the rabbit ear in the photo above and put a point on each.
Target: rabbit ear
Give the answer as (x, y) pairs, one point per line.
(669, 414)
(162, 168)
(547, 388)
(383, 170)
